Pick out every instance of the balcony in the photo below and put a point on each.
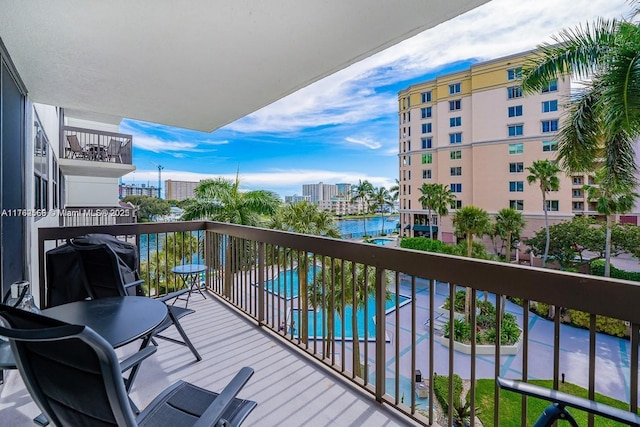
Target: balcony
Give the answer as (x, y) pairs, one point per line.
(89, 152)
(251, 319)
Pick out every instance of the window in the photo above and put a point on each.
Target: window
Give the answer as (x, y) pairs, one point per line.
(455, 122)
(515, 111)
(409, 145)
(455, 155)
(455, 105)
(409, 160)
(426, 96)
(54, 184)
(404, 160)
(456, 171)
(41, 167)
(516, 148)
(549, 126)
(551, 87)
(426, 173)
(516, 204)
(409, 177)
(516, 167)
(577, 180)
(456, 188)
(426, 143)
(456, 204)
(549, 146)
(425, 112)
(516, 130)
(426, 128)
(408, 101)
(454, 88)
(578, 206)
(514, 73)
(576, 193)
(455, 138)
(427, 159)
(409, 116)
(514, 92)
(548, 106)
(516, 186)
(553, 205)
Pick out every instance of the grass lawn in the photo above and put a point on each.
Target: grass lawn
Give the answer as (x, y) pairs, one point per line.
(511, 404)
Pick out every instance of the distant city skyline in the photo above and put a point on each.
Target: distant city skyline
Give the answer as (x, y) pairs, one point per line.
(344, 128)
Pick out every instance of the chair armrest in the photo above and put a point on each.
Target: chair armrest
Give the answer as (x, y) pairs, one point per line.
(173, 295)
(135, 283)
(565, 399)
(214, 412)
(136, 358)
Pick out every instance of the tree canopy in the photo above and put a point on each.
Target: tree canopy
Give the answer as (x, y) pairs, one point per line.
(147, 207)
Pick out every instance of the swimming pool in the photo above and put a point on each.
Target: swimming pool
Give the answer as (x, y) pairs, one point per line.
(318, 319)
(381, 241)
(285, 284)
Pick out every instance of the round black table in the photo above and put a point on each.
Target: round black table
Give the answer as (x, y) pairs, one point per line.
(119, 320)
(190, 275)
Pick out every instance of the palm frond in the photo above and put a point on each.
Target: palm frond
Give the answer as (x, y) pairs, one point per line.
(580, 51)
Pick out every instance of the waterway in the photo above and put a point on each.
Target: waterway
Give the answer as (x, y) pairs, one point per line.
(354, 228)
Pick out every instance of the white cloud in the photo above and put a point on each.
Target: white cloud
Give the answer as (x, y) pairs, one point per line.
(367, 142)
(498, 28)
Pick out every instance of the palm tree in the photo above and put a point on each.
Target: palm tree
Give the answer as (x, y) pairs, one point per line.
(362, 193)
(470, 221)
(381, 199)
(610, 200)
(304, 218)
(603, 120)
(221, 200)
(357, 284)
(509, 223)
(437, 198)
(545, 173)
(395, 190)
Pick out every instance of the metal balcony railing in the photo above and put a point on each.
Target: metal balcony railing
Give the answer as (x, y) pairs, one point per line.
(94, 145)
(262, 273)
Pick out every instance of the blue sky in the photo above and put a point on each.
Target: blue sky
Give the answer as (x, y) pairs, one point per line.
(344, 128)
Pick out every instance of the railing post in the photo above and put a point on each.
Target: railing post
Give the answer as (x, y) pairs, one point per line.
(381, 301)
(261, 288)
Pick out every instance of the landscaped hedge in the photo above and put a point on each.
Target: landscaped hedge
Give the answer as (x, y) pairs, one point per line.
(604, 324)
(597, 269)
(441, 390)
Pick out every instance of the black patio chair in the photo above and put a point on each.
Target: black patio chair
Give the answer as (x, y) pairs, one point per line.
(74, 376)
(108, 275)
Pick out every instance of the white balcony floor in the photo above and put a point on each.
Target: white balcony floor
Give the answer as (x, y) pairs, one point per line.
(290, 389)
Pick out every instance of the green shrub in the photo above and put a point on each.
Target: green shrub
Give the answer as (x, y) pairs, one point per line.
(441, 390)
(459, 304)
(604, 324)
(422, 244)
(461, 331)
(597, 269)
(541, 309)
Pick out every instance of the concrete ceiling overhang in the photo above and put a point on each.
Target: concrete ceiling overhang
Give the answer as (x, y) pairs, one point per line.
(198, 64)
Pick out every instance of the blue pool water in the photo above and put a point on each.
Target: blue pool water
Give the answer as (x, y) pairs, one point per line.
(381, 241)
(285, 284)
(318, 318)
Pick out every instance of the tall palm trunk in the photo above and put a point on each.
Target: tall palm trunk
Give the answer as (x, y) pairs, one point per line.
(357, 369)
(504, 297)
(430, 224)
(467, 294)
(304, 297)
(607, 248)
(546, 226)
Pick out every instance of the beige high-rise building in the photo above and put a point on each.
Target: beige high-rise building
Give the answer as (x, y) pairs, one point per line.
(476, 132)
(179, 190)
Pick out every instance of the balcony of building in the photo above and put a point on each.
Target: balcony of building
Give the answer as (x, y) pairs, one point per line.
(90, 152)
(254, 315)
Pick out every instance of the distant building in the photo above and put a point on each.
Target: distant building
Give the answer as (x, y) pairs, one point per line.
(295, 199)
(344, 190)
(320, 191)
(340, 206)
(179, 190)
(137, 190)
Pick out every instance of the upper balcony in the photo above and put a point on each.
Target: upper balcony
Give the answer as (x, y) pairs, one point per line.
(89, 152)
(314, 343)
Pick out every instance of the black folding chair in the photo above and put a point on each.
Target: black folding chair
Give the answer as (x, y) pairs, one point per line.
(74, 376)
(108, 275)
